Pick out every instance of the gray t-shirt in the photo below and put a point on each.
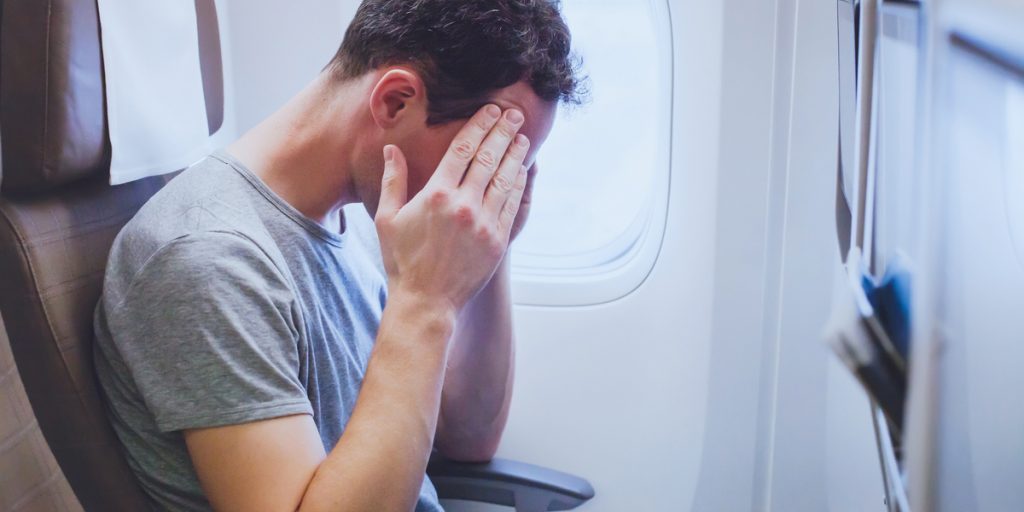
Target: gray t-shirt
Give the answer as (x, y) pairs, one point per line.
(222, 305)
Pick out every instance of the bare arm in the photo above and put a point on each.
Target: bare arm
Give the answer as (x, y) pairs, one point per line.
(439, 249)
(279, 464)
(477, 390)
(481, 369)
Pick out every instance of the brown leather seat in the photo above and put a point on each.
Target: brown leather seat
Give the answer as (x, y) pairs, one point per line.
(30, 480)
(58, 218)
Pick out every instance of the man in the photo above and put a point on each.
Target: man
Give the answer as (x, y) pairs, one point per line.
(253, 355)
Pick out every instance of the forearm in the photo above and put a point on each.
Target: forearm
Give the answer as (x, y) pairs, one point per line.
(478, 384)
(380, 460)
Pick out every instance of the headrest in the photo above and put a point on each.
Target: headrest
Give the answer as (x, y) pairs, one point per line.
(52, 104)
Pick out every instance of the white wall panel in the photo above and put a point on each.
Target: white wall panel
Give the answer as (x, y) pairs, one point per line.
(279, 47)
(818, 446)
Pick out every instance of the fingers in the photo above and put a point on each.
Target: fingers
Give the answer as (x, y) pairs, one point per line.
(531, 176)
(511, 207)
(502, 183)
(394, 184)
(464, 147)
(492, 151)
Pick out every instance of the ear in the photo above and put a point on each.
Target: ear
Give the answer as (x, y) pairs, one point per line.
(399, 94)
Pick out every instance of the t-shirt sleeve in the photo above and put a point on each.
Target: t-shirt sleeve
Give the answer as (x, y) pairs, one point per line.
(209, 332)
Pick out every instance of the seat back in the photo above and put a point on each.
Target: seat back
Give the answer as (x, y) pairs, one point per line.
(30, 480)
(58, 219)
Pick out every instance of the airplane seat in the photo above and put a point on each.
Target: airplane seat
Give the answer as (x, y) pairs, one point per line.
(32, 481)
(58, 219)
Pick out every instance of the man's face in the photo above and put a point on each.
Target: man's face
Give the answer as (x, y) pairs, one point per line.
(425, 151)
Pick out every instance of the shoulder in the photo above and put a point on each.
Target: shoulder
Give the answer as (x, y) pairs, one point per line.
(208, 196)
(201, 265)
(203, 218)
(210, 249)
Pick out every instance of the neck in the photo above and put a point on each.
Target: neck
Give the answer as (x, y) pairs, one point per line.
(304, 152)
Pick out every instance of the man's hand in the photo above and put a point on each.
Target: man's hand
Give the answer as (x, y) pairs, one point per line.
(524, 203)
(445, 243)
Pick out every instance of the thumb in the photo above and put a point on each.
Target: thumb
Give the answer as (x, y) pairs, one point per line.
(394, 183)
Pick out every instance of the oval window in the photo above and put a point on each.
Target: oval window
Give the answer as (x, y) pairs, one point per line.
(604, 169)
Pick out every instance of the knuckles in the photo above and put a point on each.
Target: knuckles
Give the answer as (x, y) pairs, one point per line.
(489, 238)
(464, 215)
(520, 185)
(487, 159)
(484, 124)
(506, 131)
(519, 152)
(496, 247)
(502, 184)
(388, 178)
(439, 198)
(484, 234)
(462, 149)
(383, 225)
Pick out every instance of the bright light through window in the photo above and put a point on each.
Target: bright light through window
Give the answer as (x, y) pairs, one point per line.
(593, 194)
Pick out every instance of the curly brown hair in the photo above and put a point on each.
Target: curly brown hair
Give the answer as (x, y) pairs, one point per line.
(464, 50)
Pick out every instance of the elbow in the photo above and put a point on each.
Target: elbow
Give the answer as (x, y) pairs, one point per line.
(479, 450)
(470, 438)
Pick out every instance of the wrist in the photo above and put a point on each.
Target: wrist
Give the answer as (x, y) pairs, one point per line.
(433, 314)
(499, 282)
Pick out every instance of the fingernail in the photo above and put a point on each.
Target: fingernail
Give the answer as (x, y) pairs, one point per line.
(389, 153)
(515, 116)
(522, 141)
(493, 111)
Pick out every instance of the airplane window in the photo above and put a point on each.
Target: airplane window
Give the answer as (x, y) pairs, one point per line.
(597, 169)
(1015, 164)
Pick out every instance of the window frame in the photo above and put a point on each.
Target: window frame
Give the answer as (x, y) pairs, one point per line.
(621, 266)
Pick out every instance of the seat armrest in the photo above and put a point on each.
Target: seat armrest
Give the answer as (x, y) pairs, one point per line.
(526, 487)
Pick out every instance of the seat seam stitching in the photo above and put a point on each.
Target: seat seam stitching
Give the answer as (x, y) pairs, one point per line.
(7, 373)
(42, 306)
(37, 489)
(95, 226)
(17, 435)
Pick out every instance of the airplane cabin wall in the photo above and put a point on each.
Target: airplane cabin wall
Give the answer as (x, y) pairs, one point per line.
(277, 48)
(790, 429)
